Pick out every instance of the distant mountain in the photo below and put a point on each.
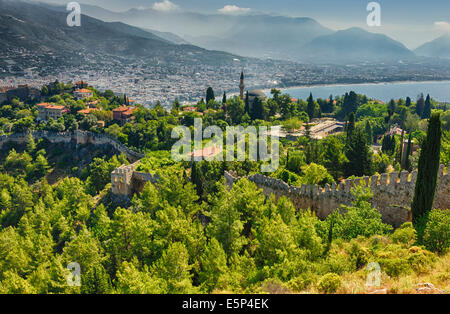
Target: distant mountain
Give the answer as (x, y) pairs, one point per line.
(250, 35)
(439, 48)
(40, 30)
(105, 15)
(355, 45)
(169, 37)
(265, 36)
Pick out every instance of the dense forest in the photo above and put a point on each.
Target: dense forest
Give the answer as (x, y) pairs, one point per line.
(190, 233)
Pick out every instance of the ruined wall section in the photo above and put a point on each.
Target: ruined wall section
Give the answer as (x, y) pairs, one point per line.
(79, 137)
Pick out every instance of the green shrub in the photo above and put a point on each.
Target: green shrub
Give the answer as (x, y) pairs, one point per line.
(395, 267)
(329, 283)
(274, 286)
(406, 235)
(360, 219)
(436, 236)
(358, 255)
(337, 263)
(302, 282)
(420, 260)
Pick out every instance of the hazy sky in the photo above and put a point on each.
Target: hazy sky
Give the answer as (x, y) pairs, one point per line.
(412, 22)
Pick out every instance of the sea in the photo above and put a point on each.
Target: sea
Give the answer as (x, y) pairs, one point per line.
(438, 90)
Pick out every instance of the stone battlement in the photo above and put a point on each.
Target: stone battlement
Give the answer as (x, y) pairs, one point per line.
(126, 181)
(392, 193)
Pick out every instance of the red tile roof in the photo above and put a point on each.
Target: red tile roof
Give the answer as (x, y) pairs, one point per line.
(87, 111)
(83, 91)
(50, 106)
(206, 152)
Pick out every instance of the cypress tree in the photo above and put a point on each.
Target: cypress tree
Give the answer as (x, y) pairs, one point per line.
(224, 98)
(369, 133)
(209, 94)
(350, 125)
(408, 102)
(311, 107)
(350, 103)
(392, 105)
(407, 164)
(196, 178)
(247, 103)
(427, 109)
(427, 172)
(400, 154)
(420, 105)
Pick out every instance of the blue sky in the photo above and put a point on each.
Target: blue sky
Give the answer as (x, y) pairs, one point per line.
(412, 22)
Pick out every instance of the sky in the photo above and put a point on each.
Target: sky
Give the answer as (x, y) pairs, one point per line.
(412, 22)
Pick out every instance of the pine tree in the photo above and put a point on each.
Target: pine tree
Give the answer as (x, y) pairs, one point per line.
(176, 105)
(311, 107)
(358, 154)
(96, 281)
(330, 105)
(31, 144)
(427, 109)
(428, 171)
(257, 110)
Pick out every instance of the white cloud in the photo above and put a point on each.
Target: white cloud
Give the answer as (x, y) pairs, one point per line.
(233, 10)
(165, 6)
(443, 26)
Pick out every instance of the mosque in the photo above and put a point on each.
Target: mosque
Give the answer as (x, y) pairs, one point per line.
(252, 94)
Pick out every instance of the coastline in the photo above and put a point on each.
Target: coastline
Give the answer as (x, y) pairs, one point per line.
(267, 90)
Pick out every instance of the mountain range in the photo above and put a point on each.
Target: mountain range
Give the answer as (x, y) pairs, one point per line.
(197, 38)
(40, 30)
(299, 39)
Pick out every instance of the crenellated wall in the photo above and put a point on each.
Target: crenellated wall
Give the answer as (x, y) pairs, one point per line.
(79, 137)
(392, 193)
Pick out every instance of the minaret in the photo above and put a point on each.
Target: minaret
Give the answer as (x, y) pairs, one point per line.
(242, 85)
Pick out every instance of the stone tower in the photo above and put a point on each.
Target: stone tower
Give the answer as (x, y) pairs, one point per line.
(242, 85)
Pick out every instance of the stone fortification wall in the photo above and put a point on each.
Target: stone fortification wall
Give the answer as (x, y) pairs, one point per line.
(392, 193)
(79, 137)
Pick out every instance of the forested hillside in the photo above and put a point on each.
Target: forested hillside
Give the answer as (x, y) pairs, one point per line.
(190, 233)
